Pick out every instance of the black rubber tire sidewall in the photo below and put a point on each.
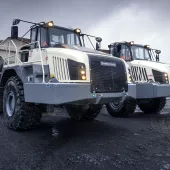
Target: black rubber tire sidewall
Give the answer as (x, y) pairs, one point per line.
(26, 115)
(11, 86)
(75, 112)
(126, 109)
(79, 114)
(92, 112)
(155, 107)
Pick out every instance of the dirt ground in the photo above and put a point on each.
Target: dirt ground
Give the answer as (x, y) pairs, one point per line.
(138, 142)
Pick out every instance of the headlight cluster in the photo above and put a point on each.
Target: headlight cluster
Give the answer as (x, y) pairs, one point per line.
(166, 78)
(83, 72)
(161, 77)
(77, 70)
(129, 78)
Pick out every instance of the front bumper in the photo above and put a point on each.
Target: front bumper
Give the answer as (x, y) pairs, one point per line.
(65, 93)
(148, 90)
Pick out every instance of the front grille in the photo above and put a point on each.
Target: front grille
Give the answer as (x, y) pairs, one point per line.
(61, 68)
(107, 78)
(159, 76)
(139, 74)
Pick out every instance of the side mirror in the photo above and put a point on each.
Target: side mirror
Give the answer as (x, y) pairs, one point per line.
(157, 57)
(98, 39)
(158, 51)
(157, 54)
(98, 43)
(16, 21)
(97, 46)
(14, 32)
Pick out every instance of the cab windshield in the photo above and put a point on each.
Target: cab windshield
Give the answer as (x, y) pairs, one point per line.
(140, 53)
(63, 36)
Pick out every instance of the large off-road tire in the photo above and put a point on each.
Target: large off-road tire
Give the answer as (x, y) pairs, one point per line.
(81, 112)
(123, 109)
(1, 88)
(1, 100)
(153, 106)
(92, 112)
(18, 115)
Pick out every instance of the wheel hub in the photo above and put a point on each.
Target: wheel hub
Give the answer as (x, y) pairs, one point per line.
(115, 104)
(10, 104)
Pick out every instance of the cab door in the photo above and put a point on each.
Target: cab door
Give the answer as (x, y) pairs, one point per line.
(38, 34)
(134, 69)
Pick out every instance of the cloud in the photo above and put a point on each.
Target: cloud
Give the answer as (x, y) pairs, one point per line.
(133, 22)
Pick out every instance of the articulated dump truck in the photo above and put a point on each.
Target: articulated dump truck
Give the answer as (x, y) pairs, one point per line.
(56, 69)
(150, 78)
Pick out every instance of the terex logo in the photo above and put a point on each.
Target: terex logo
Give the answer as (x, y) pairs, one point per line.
(103, 63)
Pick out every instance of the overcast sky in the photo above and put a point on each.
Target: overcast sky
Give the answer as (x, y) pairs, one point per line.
(145, 21)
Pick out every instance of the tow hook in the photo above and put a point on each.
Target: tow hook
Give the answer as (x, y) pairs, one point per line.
(98, 98)
(123, 98)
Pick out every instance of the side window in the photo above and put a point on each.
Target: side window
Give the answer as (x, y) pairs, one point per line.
(33, 37)
(125, 53)
(43, 41)
(38, 38)
(115, 51)
(38, 34)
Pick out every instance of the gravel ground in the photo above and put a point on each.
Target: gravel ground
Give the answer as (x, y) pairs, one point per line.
(139, 142)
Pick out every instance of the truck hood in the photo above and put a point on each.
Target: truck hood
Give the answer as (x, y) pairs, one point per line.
(83, 49)
(155, 65)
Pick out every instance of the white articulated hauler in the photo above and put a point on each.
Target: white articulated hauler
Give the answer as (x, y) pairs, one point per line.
(150, 76)
(56, 69)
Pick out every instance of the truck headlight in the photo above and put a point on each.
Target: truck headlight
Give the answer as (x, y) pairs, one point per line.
(83, 72)
(77, 70)
(161, 77)
(129, 78)
(166, 78)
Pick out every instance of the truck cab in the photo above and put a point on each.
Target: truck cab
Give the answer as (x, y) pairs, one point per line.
(143, 62)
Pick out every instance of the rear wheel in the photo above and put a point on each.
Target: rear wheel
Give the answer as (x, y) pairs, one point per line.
(153, 106)
(17, 113)
(124, 109)
(83, 112)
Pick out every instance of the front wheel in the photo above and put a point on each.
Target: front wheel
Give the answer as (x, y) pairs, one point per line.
(92, 112)
(17, 113)
(122, 109)
(83, 112)
(153, 106)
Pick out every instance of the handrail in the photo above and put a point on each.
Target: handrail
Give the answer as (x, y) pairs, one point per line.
(18, 59)
(16, 51)
(3, 47)
(8, 51)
